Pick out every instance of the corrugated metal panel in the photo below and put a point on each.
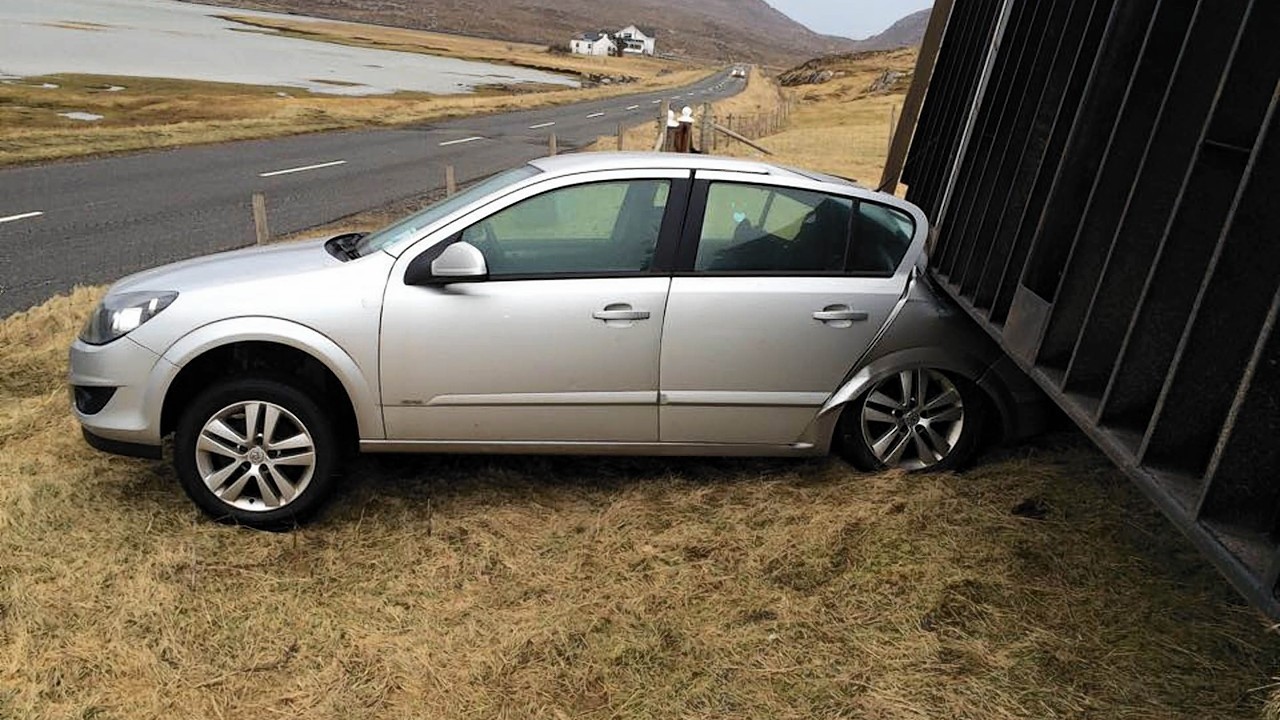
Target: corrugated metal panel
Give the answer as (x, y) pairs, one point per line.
(1113, 226)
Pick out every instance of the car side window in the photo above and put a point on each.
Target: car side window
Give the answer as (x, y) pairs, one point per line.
(768, 229)
(607, 227)
(881, 237)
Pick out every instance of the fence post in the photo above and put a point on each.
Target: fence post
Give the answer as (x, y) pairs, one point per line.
(684, 134)
(450, 181)
(663, 109)
(620, 137)
(708, 117)
(893, 124)
(553, 148)
(260, 229)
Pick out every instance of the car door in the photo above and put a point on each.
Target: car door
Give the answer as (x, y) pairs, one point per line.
(561, 342)
(780, 287)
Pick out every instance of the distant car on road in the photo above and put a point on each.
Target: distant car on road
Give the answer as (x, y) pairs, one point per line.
(640, 304)
(739, 72)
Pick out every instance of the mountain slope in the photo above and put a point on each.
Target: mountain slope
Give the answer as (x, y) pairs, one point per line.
(907, 32)
(732, 30)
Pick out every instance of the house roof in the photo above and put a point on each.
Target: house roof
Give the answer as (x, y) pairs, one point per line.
(646, 31)
(593, 36)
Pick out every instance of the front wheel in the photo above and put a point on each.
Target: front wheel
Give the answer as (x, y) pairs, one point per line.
(255, 451)
(918, 419)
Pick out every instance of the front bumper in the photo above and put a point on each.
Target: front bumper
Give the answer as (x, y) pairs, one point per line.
(115, 447)
(129, 422)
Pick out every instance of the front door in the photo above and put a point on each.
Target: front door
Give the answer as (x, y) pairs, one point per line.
(559, 344)
(778, 292)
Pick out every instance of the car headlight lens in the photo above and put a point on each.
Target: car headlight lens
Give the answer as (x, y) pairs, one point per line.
(119, 315)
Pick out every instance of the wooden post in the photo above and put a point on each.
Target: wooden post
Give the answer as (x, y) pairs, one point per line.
(925, 62)
(620, 137)
(660, 140)
(708, 117)
(260, 218)
(893, 124)
(553, 148)
(450, 181)
(742, 139)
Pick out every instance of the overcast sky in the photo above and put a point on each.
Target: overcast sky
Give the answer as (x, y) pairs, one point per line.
(852, 18)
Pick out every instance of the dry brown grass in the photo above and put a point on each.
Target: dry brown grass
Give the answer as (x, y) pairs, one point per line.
(453, 587)
(840, 127)
(157, 113)
(461, 46)
(761, 97)
(558, 587)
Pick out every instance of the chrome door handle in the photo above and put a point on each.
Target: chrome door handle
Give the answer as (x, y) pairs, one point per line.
(620, 312)
(839, 313)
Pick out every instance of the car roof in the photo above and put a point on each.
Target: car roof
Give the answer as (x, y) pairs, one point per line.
(592, 161)
(584, 162)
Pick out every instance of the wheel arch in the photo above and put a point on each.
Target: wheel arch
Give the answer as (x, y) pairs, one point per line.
(271, 344)
(967, 366)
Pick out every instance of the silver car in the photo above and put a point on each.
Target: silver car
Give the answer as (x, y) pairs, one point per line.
(638, 304)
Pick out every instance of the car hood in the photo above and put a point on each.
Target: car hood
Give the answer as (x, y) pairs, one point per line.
(236, 266)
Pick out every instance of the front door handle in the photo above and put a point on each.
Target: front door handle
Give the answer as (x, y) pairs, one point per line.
(620, 312)
(840, 313)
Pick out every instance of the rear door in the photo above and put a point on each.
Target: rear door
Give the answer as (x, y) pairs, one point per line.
(780, 287)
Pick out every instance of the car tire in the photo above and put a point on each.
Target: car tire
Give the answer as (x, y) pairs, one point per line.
(256, 451)
(895, 426)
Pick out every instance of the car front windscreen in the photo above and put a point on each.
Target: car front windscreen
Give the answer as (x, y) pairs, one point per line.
(410, 226)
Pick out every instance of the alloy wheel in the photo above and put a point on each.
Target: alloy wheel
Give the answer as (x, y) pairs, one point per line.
(255, 456)
(913, 420)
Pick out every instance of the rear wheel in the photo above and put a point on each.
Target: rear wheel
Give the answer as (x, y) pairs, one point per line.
(917, 419)
(257, 452)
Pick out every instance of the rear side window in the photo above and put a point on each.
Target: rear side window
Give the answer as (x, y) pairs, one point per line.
(765, 229)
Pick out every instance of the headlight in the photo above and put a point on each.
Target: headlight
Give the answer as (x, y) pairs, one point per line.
(118, 315)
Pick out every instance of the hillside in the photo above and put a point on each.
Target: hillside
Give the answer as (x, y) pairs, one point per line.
(907, 32)
(723, 30)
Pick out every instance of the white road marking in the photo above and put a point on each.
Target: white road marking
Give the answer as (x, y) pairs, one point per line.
(459, 142)
(302, 169)
(655, 102)
(595, 115)
(22, 216)
(633, 107)
(539, 126)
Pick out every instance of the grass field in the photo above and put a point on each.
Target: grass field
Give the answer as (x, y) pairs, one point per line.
(1040, 584)
(148, 113)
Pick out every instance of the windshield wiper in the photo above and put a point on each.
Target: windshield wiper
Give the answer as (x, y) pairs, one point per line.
(345, 244)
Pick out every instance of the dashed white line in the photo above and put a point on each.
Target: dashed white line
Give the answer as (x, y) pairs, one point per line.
(459, 142)
(655, 102)
(21, 216)
(539, 126)
(302, 169)
(596, 115)
(633, 107)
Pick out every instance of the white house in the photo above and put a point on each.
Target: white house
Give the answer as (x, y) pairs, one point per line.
(593, 43)
(637, 41)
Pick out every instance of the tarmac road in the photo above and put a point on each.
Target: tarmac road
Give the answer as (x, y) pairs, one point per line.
(87, 222)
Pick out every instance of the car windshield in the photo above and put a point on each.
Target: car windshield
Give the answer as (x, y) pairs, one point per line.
(410, 226)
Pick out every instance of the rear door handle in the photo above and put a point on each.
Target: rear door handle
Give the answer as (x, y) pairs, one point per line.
(839, 313)
(620, 312)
